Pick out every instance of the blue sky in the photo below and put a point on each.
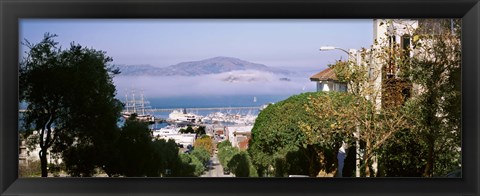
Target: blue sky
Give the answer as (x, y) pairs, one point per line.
(162, 42)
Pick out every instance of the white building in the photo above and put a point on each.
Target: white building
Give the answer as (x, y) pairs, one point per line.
(327, 80)
(392, 36)
(171, 133)
(393, 33)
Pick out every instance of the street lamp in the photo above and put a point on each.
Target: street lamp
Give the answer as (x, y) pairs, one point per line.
(328, 48)
(357, 131)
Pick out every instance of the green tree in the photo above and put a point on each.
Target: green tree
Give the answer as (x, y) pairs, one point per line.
(164, 159)
(202, 155)
(191, 166)
(436, 68)
(189, 129)
(239, 164)
(277, 132)
(335, 118)
(70, 97)
(223, 144)
(135, 146)
(138, 154)
(226, 152)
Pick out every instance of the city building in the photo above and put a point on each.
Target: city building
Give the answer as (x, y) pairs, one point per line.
(239, 135)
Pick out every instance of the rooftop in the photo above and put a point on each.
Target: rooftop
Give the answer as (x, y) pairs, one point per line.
(326, 74)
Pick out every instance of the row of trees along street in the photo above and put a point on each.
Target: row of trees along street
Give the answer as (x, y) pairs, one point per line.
(235, 160)
(71, 106)
(414, 132)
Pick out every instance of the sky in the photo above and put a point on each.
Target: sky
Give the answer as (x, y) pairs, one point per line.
(289, 44)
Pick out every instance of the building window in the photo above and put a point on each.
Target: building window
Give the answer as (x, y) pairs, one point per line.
(406, 45)
(343, 88)
(390, 69)
(392, 40)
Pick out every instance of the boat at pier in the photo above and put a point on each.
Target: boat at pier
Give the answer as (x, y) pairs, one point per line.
(182, 116)
(229, 118)
(139, 107)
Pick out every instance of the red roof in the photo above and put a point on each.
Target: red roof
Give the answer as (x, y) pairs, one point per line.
(243, 145)
(326, 74)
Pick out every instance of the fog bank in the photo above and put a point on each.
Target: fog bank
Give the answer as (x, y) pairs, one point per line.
(232, 83)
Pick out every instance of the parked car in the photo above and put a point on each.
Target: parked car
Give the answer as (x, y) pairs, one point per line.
(226, 171)
(455, 174)
(298, 176)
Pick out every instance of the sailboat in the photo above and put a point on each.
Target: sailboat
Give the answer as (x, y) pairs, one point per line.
(254, 99)
(139, 107)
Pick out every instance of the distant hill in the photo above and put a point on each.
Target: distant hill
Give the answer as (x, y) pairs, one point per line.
(139, 70)
(195, 68)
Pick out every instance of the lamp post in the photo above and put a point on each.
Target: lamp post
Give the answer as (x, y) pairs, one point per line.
(328, 48)
(357, 131)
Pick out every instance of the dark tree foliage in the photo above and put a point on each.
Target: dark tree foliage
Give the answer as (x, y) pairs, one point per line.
(200, 130)
(190, 166)
(137, 154)
(164, 160)
(240, 164)
(403, 156)
(135, 148)
(71, 103)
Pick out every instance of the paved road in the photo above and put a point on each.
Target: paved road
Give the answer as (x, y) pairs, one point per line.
(215, 169)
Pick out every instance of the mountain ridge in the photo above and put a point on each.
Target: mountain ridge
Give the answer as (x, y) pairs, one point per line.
(215, 65)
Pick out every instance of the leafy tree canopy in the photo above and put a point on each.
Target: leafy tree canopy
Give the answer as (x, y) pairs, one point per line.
(71, 101)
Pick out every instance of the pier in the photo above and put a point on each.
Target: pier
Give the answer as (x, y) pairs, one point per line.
(203, 109)
(197, 109)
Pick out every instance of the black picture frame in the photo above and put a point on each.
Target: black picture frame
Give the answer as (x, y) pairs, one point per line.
(13, 10)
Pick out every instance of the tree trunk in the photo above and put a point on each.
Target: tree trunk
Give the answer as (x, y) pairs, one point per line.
(367, 158)
(43, 161)
(311, 169)
(430, 158)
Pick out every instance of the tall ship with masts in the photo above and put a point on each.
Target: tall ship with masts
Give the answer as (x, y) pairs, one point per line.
(140, 107)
